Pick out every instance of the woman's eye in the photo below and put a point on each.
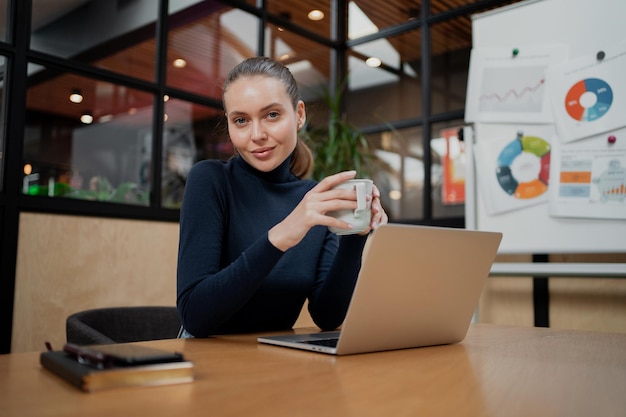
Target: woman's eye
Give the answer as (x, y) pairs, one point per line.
(239, 121)
(272, 115)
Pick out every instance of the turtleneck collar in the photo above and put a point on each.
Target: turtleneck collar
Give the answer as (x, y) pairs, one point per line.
(280, 174)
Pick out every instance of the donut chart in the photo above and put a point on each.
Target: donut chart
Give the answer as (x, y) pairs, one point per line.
(588, 99)
(523, 167)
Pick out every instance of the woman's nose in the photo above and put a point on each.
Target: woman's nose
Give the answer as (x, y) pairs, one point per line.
(258, 133)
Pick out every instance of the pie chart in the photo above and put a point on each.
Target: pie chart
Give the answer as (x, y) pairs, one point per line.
(588, 99)
(523, 167)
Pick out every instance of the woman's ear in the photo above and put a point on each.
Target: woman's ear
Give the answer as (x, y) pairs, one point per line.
(301, 114)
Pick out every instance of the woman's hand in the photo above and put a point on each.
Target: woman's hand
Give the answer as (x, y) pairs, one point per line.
(312, 209)
(379, 216)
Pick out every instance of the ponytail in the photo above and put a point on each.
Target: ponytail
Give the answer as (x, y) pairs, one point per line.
(302, 160)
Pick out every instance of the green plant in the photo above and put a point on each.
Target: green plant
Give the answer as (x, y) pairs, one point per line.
(100, 190)
(338, 145)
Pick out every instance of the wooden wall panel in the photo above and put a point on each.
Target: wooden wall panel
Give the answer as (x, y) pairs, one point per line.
(508, 300)
(588, 304)
(71, 263)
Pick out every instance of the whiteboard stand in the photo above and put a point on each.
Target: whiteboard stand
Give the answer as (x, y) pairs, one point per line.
(532, 230)
(559, 269)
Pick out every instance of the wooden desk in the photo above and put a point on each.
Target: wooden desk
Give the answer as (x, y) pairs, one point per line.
(496, 371)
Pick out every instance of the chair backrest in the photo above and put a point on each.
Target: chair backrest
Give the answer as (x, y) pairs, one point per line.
(122, 325)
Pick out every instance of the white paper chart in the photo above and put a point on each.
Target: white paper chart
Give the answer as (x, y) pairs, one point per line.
(589, 93)
(513, 165)
(508, 85)
(590, 178)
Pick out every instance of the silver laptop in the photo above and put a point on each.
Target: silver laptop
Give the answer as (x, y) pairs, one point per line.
(418, 286)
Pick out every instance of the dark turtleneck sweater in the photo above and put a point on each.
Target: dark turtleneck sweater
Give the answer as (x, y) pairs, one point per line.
(231, 279)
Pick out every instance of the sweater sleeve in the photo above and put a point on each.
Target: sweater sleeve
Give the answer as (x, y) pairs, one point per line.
(207, 296)
(329, 300)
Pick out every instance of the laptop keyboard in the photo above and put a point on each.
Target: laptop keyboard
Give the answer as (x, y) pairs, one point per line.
(323, 342)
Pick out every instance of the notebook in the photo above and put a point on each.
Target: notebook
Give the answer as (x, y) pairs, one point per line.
(418, 286)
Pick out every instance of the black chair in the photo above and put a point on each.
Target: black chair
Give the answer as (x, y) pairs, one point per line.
(122, 325)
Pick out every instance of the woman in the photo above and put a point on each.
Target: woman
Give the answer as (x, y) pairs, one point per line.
(254, 239)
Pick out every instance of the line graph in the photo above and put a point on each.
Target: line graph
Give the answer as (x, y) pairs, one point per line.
(512, 89)
(512, 92)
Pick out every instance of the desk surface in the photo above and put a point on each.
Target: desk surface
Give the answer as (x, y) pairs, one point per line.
(496, 371)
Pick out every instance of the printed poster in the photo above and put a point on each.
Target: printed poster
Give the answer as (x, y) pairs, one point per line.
(454, 165)
(513, 165)
(589, 93)
(508, 85)
(590, 178)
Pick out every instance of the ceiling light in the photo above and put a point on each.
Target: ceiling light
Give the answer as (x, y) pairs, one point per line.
(179, 63)
(86, 118)
(373, 62)
(316, 15)
(76, 96)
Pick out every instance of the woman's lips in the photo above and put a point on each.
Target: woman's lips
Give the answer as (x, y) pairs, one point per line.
(262, 153)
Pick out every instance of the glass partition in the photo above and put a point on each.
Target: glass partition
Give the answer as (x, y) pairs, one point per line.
(383, 80)
(308, 61)
(315, 16)
(398, 171)
(369, 16)
(116, 35)
(205, 41)
(451, 44)
(448, 169)
(191, 133)
(86, 139)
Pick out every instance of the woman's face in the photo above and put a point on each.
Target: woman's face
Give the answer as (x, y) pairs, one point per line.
(262, 122)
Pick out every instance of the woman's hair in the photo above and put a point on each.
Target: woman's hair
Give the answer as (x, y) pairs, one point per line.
(302, 158)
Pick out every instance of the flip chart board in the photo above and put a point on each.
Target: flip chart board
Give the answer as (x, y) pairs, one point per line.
(541, 45)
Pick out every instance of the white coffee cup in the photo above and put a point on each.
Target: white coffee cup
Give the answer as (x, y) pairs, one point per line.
(360, 217)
